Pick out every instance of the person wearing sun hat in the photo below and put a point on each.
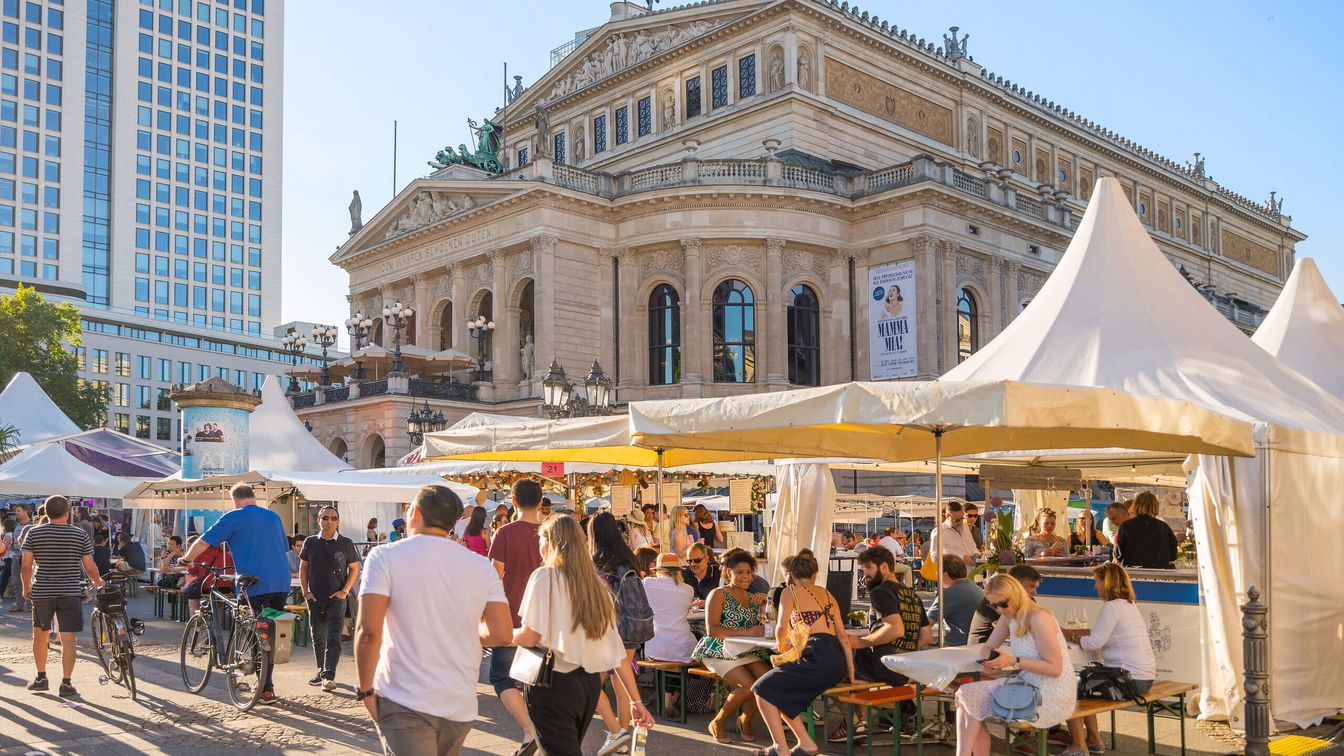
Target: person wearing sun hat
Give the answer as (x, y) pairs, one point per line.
(670, 598)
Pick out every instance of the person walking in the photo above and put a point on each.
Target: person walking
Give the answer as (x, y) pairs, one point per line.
(53, 555)
(427, 605)
(568, 610)
(257, 539)
(475, 536)
(616, 565)
(7, 527)
(23, 520)
(328, 570)
(516, 554)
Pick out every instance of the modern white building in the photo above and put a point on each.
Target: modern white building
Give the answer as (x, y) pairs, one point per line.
(140, 177)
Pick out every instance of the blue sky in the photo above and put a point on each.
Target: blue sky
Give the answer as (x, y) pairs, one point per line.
(1253, 86)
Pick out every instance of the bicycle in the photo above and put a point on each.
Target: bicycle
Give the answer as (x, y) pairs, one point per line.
(245, 660)
(113, 632)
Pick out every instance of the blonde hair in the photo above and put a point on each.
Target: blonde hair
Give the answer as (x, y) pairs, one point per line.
(1041, 516)
(568, 555)
(1114, 582)
(1146, 504)
(1018, 600)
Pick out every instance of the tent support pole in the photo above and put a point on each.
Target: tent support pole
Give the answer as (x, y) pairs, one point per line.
(664, 530)
(938, 495)
(1268, 556)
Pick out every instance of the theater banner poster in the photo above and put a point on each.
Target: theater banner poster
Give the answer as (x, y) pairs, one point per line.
(892, 341)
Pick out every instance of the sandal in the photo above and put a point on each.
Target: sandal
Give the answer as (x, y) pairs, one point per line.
(719, 731)
(798, 751)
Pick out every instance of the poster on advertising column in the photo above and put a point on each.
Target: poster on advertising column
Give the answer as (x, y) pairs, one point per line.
(892, 342)
(214, 441)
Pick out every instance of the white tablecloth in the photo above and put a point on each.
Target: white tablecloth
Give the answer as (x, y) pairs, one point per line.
(739, 646)
(938, 667)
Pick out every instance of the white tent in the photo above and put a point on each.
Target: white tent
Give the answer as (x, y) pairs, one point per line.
(278, 440)
(47, 469)
(1305, 328)
(1116, 314)
(24, 405)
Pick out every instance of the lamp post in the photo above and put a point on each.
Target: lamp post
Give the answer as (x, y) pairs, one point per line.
(358, 327)
(480, 330)
(422, 421)
(397, 316)
(559, 400)
(325, 336)
(294, 343)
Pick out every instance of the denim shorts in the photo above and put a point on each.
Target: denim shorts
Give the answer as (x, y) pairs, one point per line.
(501, 660)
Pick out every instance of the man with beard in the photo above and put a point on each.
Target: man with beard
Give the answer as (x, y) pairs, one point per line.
(898, 624)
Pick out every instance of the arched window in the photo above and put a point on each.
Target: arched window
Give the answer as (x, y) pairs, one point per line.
(968, 325)
(446, 326)
(664, 336)
(804, 325)
(734, 325)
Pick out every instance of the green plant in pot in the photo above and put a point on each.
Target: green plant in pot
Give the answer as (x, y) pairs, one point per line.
(1001, 551)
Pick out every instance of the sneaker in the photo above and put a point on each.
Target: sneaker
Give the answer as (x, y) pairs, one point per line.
(840, 733)
(616, 742)
(268, 699)
(67, 691)
(317, 679)
(328, 685)
(39, 685)
(1059, 736)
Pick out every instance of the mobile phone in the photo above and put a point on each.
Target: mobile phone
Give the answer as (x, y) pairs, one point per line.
(992, 655)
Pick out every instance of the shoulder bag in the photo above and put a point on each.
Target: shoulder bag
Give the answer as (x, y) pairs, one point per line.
(797, 636)
(1097, 680)
(1016, 700)
(534, 666)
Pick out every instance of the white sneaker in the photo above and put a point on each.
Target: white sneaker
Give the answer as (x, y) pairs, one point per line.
(616, 742)
(328, 685)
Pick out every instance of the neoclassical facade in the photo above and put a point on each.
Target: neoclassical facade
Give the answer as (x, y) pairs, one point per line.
(700, 198)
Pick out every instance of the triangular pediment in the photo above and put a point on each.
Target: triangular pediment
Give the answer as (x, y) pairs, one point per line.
(620, 45)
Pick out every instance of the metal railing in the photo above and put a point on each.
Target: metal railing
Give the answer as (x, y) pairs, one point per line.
(306, 399)
(337, 394)
(450, 390)
(373, 388)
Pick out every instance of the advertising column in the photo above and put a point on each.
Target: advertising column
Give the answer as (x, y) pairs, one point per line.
(215, 416)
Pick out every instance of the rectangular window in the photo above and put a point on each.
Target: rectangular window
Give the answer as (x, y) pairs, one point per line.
(100, 360)
(143, 367)
(142, 394)
(719, 87)
(746, 76)
(560, 148)
(599, 134)
(123, 364)
(622, 125)
(645, 115)
(122, 395)
(141, 426)
(164, 429)
(121, 422)
(165, 371)
(693, 97)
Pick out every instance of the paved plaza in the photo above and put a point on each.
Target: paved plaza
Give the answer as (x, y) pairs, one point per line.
(167, 719)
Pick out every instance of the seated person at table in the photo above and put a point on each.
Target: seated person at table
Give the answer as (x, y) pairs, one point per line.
(893, 540)
(295, 547)
(1045, 541)
(1086, 533)
(1144, 540)
(702, 574)
(953, 536)
(982, 624)
(897, 624)
(670, 599)
(132, 559)
(1122, 638)
(731, 613)
(102, 552)
(803, 669)
(200, 580)
(759, 585)
(960, 596)
(1038, 654)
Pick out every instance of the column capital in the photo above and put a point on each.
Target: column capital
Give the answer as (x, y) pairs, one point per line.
(774, 245)
(858, 254)
(493, 256)
(543, 243)
(924, 243)
(695, 245)
(420, 279)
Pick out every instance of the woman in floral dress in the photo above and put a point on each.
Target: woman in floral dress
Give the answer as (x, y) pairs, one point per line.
(732, 612)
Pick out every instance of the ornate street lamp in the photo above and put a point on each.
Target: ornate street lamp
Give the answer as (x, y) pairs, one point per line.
(325, 336)
(422, 421)
(294, 343)
(358, 328)
(559, 400)
(397, 316)
(480, 330)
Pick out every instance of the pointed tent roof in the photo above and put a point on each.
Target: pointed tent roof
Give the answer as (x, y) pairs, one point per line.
(1116, 314)
(278, 440)
(47, 469)
(24, 405)
(1305, 328)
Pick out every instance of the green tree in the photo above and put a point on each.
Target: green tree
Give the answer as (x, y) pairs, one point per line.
(38, 338)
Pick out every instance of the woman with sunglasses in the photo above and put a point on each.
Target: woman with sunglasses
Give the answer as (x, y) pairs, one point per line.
(1085, 533)
(1038, 656)
(679, 520)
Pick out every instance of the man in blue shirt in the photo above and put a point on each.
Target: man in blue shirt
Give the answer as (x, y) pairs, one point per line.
(256, 538)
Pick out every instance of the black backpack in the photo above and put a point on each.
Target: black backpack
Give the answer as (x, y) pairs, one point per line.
(1097, 680)
(634, 616)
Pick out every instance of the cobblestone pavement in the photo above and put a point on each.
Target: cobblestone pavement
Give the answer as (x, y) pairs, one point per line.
(167, 719)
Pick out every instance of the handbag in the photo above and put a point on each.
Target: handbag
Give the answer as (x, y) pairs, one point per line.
(1097, 680)
(534, 667)
(1016, 700)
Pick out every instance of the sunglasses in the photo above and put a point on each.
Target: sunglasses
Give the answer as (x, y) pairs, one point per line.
(696, 561)
(329, 518)
(1000, 604)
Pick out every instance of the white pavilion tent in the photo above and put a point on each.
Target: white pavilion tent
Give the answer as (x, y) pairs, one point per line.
(24, 405)
(1305, 328)
(1116, 314)
(50, 469)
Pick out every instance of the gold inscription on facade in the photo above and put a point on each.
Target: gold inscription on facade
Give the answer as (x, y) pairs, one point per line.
(1251, 253)
(432, 250)
(872, 95)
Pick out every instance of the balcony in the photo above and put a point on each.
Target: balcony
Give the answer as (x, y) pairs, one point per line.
(423, 388)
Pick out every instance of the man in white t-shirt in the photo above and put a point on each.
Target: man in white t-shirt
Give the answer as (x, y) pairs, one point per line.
(954, 534)
(418, 657)
(893, 540)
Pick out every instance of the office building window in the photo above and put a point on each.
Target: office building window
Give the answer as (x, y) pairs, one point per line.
(164, 429)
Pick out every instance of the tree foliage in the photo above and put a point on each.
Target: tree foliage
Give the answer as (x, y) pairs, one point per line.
(37, 338)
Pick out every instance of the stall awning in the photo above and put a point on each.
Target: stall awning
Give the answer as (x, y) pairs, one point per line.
(345, 485)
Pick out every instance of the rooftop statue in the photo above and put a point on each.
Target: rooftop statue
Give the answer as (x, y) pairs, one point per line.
(956, 48)
(488, 138)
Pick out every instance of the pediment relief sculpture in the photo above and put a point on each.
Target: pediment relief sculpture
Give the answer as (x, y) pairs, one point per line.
(624, 50)
(427, 208)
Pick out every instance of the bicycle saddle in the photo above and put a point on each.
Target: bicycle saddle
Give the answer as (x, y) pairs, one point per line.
(246, 580)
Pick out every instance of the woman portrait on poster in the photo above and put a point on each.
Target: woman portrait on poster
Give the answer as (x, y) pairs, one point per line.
(895, 301)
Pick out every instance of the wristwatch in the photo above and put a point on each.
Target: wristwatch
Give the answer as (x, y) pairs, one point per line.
(360, 695)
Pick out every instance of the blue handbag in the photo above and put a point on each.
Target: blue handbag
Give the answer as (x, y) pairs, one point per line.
(1016, 700)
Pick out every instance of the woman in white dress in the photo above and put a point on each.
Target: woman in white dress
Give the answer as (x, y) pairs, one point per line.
(1038, 654)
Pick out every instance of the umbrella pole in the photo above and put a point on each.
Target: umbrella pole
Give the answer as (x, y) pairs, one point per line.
(664, 531)
(938, 496)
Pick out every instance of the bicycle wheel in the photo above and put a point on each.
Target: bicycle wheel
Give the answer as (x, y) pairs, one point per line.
(197, 654)
(246, 665)
(105, 645)
(129, 679)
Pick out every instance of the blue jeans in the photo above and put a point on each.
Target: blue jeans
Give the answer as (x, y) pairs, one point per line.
(326, 618)
(501, 660)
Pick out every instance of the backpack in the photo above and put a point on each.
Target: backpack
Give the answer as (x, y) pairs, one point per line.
(634, 616)
(1097, 680)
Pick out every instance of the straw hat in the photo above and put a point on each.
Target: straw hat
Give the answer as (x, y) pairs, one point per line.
(668, 561)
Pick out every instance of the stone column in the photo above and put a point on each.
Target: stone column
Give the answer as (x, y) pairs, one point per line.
(634, 328)
(819, 66)
(426, 330)
(607, 314)
(859, 325)
(695, 349)
(1011, 271)
(947, 331)
(928, 281)
(835, 337)
(996, 309)
(790, 46)
(504, 342)
(458, 322)
(774, 356)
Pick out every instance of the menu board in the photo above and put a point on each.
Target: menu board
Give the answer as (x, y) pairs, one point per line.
(622, 500)
(671, 495)
(739, 496)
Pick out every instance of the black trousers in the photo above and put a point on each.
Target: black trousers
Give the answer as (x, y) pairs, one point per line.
(563, 711)
(326, 618)
(268, 601)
